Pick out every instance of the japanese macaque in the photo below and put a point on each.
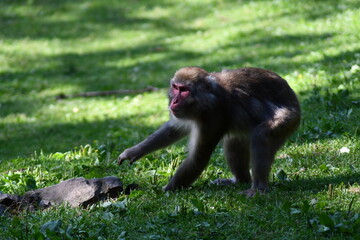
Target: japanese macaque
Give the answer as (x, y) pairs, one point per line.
(252, 110)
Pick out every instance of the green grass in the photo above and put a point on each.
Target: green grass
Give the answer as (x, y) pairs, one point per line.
(53, 47)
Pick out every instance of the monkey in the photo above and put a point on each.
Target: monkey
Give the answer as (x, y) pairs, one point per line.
(252, 111)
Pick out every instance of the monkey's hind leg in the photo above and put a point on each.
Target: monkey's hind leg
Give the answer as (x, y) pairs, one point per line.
(237, 154)
(266, 140)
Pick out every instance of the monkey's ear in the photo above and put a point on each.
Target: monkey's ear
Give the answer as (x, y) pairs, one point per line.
(210, 78)
(212, 81)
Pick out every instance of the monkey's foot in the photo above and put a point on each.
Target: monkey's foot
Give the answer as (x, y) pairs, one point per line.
(173, 187)
(168, 188)
(224, 181)
(252, 192)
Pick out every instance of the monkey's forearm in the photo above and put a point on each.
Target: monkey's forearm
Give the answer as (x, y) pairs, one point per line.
(163, 137)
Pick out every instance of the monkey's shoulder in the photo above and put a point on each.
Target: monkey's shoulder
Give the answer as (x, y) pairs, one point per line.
(248, 74)
(247, 83)
(250, 79)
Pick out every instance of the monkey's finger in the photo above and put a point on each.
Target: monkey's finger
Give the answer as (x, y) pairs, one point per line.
(132, 161)
(121, 160)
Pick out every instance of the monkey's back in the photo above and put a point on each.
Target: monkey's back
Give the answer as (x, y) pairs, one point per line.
(259, 83)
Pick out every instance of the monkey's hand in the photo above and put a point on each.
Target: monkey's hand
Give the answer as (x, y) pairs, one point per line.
(131, 154)
(172, 186)
(169, 188)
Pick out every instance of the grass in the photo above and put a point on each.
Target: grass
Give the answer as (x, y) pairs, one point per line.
(53, 47)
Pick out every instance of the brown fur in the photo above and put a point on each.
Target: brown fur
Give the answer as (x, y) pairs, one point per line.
(190, 74)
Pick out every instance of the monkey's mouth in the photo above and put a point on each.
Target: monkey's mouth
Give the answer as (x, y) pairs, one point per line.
(175, 111)
(174, 107)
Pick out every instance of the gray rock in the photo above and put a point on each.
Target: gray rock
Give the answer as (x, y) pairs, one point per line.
(9, 199)
(76, 192)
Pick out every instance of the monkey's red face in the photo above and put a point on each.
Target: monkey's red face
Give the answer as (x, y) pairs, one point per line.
(180, 93)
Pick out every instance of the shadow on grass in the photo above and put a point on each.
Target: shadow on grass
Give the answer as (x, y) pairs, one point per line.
(84, 19)
(274, 52)
(316, 184)
(23, 139)
(91, 72)
(313, 184)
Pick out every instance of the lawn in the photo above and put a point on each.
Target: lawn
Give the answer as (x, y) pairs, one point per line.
(49, 48)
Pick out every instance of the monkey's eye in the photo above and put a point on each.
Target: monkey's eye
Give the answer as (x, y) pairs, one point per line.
(174, 86)
(181, 88)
